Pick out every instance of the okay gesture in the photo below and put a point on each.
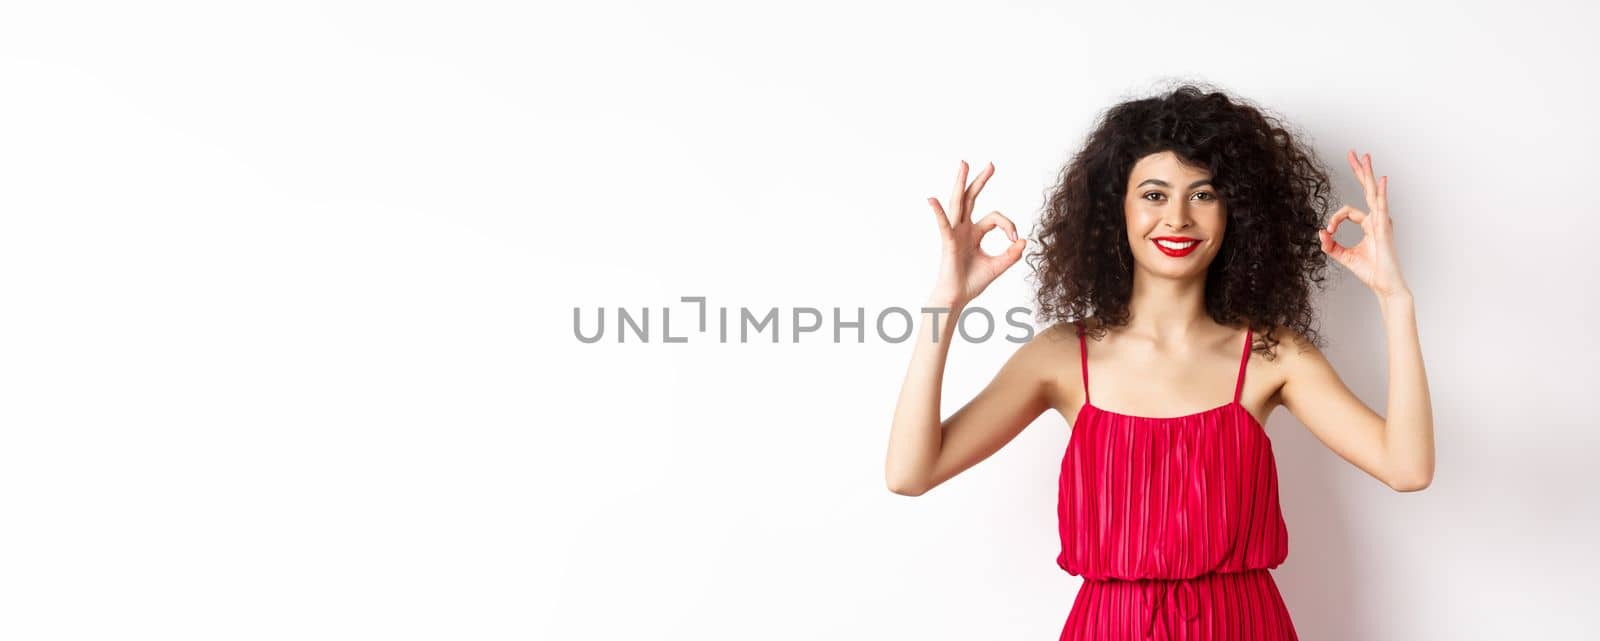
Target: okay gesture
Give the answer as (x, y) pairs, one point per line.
(1373, 258)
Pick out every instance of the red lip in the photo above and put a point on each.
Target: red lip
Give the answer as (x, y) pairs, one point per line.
(1176, 253)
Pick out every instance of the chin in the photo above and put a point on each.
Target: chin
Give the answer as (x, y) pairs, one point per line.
(1165, 267)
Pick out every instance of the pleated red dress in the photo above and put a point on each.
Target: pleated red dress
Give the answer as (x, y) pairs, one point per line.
(1173, 523)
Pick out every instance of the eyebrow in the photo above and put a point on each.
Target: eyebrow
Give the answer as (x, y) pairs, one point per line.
(1163, 183)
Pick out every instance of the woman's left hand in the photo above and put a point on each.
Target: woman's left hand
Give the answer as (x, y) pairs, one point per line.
(1373, 259)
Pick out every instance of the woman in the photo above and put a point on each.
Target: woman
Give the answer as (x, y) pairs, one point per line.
(1175, 254)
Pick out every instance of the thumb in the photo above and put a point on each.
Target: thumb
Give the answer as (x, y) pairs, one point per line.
(1012, 253)
(1346, 257)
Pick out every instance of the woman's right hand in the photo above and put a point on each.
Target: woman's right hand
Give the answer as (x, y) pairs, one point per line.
(964, 269)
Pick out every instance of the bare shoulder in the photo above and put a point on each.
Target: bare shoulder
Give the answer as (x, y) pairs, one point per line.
(1047, 346)
(1052, 356)
(1058, 334)
(1292, 353)
(1291, 347)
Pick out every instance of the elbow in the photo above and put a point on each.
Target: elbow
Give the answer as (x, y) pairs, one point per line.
(1411, 483)
(906, 487)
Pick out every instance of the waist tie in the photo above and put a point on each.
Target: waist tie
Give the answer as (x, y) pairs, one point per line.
(1155, 596)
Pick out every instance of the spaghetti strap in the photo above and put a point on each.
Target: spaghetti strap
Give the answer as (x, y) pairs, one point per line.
(1244, 360)
(1083, 360)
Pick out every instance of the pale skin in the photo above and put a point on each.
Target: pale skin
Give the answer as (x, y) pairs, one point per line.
(1171, 359)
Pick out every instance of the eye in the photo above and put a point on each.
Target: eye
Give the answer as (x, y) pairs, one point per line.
(1208, 195)
(1148, 194)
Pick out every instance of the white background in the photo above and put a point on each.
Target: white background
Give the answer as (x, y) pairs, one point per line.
(288, 294)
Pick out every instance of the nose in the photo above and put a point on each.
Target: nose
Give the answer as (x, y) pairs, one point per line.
(1180, 214)
(1178, 218)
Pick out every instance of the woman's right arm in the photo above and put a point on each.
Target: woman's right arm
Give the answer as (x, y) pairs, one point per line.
(923, 450)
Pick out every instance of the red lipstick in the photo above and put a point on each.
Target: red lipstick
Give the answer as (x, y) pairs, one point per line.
(1192, 244)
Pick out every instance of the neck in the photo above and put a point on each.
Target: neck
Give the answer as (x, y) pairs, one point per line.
(1168, 310)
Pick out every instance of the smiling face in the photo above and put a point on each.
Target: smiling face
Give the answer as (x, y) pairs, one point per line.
(1174, 216)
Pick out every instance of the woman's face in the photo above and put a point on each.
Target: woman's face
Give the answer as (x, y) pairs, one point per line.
(1173, 204)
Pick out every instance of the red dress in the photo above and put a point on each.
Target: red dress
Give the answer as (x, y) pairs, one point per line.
(1173, 523)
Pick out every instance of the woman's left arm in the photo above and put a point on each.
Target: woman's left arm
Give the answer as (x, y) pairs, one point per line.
(1397, 450)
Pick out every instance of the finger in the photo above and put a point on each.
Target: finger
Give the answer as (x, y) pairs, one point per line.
(943, 221)
(1332, 247)
(1012, 253)
(1360, 218)
(1363, 173)
(1382, 223)
(977, 186)
(958, 197)
(1345, 212)
(996, 219)
(1357, 169)
(1383, 195)
(1004, 260)
(1371, 182)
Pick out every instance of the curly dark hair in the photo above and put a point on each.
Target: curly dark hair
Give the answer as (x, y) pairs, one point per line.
(1275, 190)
